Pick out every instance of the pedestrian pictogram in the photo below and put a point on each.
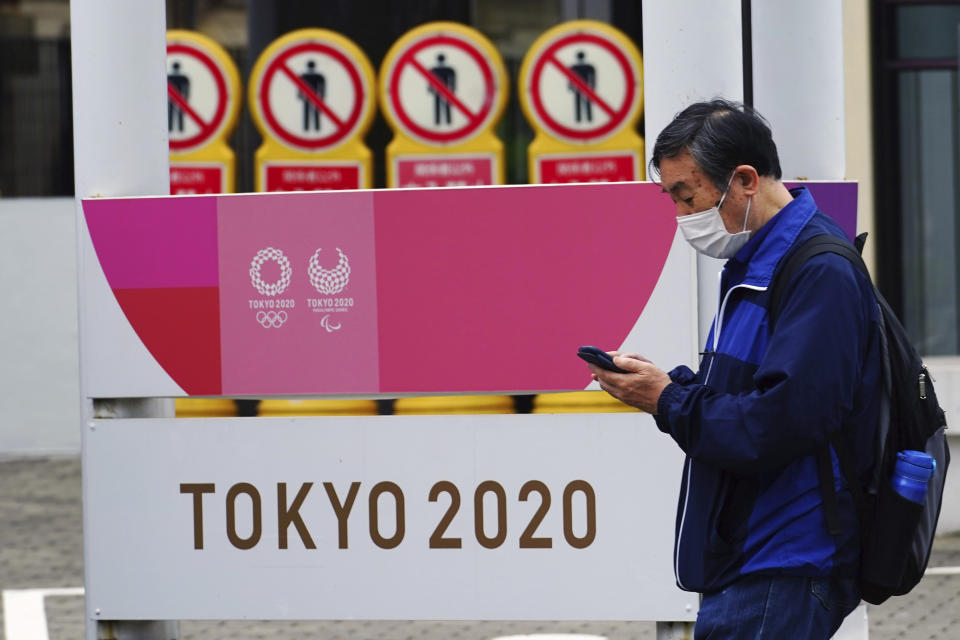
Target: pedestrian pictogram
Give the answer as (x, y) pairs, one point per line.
(581, 89)
(311, 97)
(582, 84)
(588, 75)
(317, 83)
(447, 77)
(203, 101)
(443, 88)
(179, 92)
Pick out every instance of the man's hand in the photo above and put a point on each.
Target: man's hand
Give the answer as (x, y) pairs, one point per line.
(641, 388)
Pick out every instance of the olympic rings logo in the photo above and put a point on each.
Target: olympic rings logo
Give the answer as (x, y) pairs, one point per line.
(275, 288)
(271, 319)
(329, 281)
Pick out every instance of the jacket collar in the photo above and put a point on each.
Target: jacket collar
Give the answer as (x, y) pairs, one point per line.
(773, 240)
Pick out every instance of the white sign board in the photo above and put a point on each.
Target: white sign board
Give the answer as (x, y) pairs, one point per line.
(405, 517)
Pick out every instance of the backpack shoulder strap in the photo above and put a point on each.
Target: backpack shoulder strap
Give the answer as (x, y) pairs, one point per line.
(814, 246)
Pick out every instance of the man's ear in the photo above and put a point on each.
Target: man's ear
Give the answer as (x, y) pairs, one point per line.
(748, 178)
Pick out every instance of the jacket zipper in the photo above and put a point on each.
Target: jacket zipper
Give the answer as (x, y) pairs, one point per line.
(717, 328)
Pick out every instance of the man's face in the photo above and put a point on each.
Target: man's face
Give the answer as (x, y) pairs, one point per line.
(692, 191)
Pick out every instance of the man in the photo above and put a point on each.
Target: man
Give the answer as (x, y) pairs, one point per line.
(750, 530)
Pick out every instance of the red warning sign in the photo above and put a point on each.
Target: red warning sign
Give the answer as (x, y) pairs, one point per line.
(599, 167)
(312, 96)
(449, 170)
(583, 87)
(197, 97)
(311, 176)
(194, 178)
(442, 89)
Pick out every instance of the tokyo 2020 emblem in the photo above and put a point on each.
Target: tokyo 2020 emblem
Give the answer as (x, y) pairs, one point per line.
(270, 288)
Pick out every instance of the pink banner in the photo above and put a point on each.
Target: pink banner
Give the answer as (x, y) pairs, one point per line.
(392, 291)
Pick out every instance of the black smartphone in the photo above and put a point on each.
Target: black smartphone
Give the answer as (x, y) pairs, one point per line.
(599, 357)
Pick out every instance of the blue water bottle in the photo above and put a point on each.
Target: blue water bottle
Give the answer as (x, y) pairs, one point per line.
(910, 476)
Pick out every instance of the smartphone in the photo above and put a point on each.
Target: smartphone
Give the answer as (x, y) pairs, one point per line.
(599, 357)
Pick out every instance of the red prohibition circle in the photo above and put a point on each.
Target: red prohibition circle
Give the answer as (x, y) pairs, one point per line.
(344, 127)
(617, 118)
(207, 129)
(475, 121)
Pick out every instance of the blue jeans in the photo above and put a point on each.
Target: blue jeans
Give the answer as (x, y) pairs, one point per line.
(775, 607)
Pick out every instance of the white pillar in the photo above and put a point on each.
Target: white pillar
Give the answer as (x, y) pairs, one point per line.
(692, 51)
(120, 148)
(119, 52)
(798, 83)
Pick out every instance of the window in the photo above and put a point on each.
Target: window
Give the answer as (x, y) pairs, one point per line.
(918, 161)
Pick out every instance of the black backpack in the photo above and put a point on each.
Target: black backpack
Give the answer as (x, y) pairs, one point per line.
(896, 535)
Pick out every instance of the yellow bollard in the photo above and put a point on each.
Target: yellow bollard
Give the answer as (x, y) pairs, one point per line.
(309, 407)
(448, 405)
(579, 402)
(205, 408)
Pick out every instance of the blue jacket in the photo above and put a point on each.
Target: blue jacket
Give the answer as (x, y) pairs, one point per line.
(751, 419)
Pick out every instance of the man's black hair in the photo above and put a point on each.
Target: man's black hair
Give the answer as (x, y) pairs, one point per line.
(719, 134)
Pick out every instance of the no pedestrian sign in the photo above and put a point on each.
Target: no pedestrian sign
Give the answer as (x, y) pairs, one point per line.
(311, 91)
(442, 84)
(582, 85)
(202, 91)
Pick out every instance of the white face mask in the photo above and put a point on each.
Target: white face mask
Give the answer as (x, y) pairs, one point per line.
(707, 234)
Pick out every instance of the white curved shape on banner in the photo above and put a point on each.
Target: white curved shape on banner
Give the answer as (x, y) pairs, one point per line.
(119, 351)
(677, 280)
